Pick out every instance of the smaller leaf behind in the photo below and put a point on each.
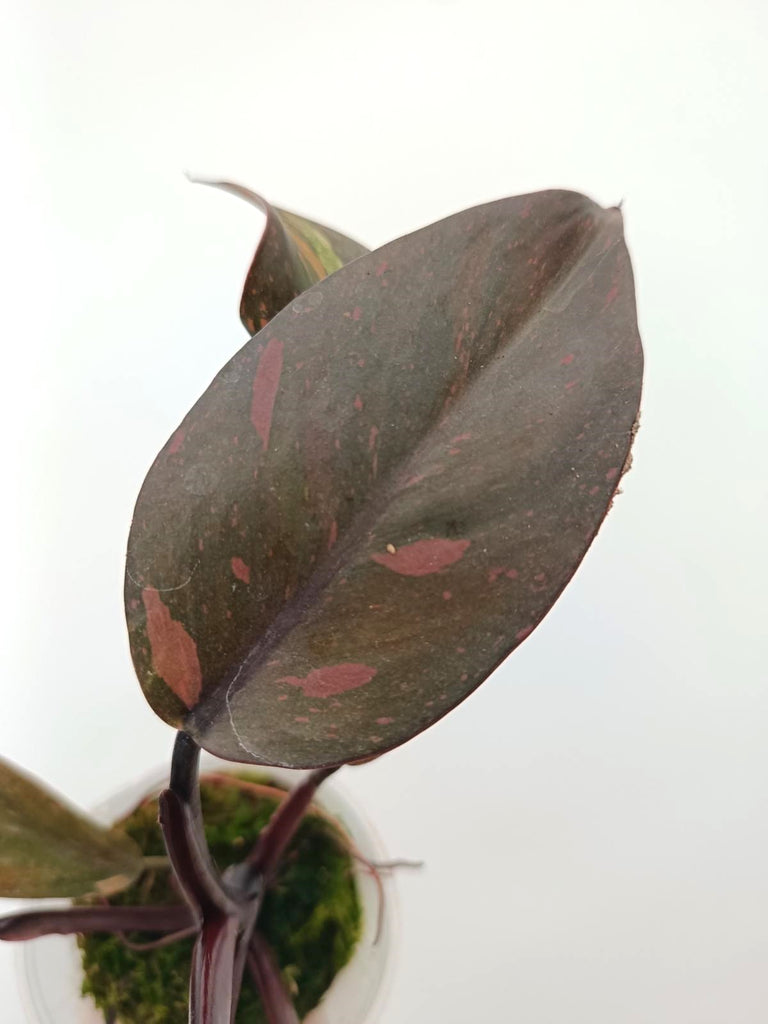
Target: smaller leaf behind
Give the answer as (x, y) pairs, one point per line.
(49, 849)
(294, 253)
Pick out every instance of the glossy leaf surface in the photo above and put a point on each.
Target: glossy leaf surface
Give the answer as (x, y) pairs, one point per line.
(293, 254)
(387, 488)
(49, 849)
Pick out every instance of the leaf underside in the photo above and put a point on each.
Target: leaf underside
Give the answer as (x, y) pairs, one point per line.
(49, 849)
(386, 489)
(293, 254)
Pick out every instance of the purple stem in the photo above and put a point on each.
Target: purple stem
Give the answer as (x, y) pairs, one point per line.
(266, 973)
(264, 858)
(214, 983)
(211, 982)
(241, 952)
(162, 943)
(181, 821)
(31, 924)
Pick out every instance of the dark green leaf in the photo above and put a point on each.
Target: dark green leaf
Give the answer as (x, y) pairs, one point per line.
(385, 490)
(294, 253)
(49, 849)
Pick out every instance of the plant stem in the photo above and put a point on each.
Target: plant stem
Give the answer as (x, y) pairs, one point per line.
(266, 974)
(241, 953)
(181, 821)
(226, 921)
(264, 858)
(31, 924)
(166, 940)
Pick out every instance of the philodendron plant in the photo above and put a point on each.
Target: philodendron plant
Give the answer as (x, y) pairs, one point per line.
(373, 503)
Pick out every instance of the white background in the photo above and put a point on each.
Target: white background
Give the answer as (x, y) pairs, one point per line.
(593, 818)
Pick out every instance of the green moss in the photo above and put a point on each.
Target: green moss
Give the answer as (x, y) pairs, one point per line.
(311, 915)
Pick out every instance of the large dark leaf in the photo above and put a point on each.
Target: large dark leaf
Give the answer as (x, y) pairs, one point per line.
(49, 849)
(293, 254)
(385, 490)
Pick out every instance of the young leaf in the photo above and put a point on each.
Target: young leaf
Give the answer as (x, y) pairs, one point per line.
(385, 490)
(294, 253)
(49, 849)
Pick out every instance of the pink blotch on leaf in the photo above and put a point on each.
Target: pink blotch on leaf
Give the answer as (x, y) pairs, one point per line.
(265, 385)
(357, 313)
(609, 298)
(447, 595)
(241, 570)
(177, 441)
(332, 679)
(523, 633)
(174, 652)
(358, 403)
(333, 534)
(567, 360)
(384, 721)
(612, 473)
(423, 557)
(372, 437)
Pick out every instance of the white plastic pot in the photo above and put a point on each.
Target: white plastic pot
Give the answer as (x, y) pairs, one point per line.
(49, 967)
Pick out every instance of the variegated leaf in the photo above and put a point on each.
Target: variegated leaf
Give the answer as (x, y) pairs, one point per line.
(384, 491)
